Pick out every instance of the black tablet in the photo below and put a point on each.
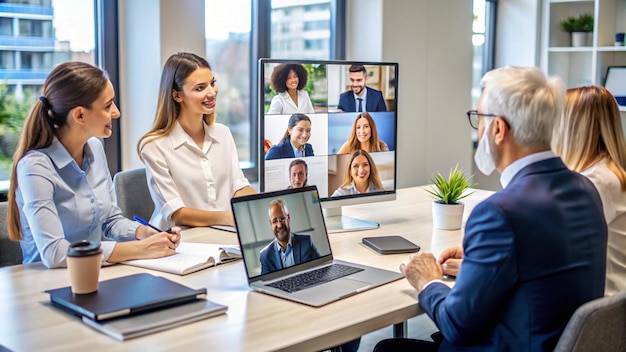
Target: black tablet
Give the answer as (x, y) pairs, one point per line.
(391, 244)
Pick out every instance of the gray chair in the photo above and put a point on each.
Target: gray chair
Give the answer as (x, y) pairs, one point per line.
(133, 197)
(598, 325)
(10, 251)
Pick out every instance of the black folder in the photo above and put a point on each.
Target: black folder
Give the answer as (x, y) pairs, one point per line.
(125, 296)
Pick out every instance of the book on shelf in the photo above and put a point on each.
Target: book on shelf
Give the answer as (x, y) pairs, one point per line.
(190, 257)
(125, 296)
(165, 319)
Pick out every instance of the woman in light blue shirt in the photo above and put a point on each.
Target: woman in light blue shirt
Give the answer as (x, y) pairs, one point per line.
(61, 189)
(361, 176)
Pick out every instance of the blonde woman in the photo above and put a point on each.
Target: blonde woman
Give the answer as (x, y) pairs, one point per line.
(361, 176)
(590, 139)
(191, 161)
(364, 136)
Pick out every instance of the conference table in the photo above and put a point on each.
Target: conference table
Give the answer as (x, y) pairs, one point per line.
(254, 321)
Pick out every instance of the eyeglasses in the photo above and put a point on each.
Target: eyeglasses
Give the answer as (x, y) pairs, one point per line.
(472, 116)
(277, 220)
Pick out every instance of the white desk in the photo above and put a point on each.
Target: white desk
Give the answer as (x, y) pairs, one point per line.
(254, 321)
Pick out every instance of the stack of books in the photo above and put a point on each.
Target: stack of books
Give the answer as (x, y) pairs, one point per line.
(137, 305)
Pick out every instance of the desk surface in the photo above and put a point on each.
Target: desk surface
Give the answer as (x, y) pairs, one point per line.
(254, 321)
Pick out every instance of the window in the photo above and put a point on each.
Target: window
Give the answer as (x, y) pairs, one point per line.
(37, 35)
(482, 40)
(228, 53)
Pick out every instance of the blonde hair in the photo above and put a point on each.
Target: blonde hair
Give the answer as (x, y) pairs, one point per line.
(590, 130)
(353, 141)
(175, 72)
(68, 85)
(373, 178)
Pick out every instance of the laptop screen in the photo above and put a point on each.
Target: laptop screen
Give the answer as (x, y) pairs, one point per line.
(279, 230)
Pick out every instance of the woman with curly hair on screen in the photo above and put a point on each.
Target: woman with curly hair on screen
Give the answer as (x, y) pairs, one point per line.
(288, 81)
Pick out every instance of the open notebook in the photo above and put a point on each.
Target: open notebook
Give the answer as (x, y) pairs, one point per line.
(190, 257)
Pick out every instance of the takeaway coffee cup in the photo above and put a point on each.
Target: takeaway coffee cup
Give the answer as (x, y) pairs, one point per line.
(83, 263)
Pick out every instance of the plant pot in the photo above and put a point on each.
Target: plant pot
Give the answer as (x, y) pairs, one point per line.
(581, 38)
(447, 216)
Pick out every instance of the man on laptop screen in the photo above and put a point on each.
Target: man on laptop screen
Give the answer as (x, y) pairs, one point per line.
(311, 276)
(287, 248)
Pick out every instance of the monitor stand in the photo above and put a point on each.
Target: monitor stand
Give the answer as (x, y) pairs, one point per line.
(335, 222)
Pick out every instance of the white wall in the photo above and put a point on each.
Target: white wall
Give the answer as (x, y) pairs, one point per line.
(431, 41)
(149, 32)
(518, 33)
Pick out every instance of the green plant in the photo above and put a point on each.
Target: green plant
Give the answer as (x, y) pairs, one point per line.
(582, 23)
(453, 189)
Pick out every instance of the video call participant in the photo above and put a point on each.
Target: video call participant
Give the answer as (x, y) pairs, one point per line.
(532, 252)
(361, 176)
(364, 136)
(294, 142)
(590, 140)
(288, 248)
(191, 161)
(288, 80)
(61, 190)
(360, 98)
(298, 174)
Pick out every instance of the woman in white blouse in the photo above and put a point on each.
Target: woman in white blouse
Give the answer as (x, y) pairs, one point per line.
(590, 140)
(191, 161)
(288, 81)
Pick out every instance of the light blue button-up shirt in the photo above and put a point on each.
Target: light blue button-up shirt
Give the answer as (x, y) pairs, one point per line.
(61, 203)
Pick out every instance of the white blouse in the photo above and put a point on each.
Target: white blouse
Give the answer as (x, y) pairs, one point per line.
(614, 204)
(180, 174)
(283, 104)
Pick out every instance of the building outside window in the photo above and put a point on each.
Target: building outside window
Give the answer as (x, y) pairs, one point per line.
(35, 36)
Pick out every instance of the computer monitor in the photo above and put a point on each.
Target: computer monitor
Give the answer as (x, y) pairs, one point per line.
(341, 146)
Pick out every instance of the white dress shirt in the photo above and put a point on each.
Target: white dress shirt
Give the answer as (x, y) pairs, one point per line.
(180, 174)
(614, 204)
(283, 104)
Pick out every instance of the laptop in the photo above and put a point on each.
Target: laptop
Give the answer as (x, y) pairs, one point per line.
(286, 250)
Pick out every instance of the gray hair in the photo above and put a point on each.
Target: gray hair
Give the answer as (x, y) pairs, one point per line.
(529, 101)
(279, 202)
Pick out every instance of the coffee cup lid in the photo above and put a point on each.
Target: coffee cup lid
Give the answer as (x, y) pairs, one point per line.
(83, 249)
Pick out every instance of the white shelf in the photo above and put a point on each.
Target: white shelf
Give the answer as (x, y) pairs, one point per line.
(570, 49)
(611, 48)
(622, 108)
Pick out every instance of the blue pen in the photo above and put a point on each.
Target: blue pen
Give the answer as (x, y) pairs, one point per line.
(144, 222)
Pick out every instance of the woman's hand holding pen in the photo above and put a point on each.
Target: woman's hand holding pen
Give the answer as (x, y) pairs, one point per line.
(161, 244)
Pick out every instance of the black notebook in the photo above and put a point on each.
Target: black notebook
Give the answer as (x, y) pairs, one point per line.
(124, 296)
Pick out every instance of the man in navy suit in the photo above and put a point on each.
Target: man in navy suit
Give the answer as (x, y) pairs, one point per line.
(360, 98)
(533, 252)
(287, 248)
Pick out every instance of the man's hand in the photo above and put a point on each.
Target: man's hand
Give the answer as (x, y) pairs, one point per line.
(421, 269)
(450, 260)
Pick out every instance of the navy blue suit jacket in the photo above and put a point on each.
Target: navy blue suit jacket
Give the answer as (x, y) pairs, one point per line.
(285, 150)
(374, 102)
(302, 247)
(533, 253)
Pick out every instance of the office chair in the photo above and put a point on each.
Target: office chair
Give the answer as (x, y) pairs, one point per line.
(598, 325)
(10, 251)
(133, 197)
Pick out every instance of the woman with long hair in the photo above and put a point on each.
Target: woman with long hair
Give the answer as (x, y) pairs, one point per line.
(288, 81)
(361, 176)
(191, 161)
(294, 142)
(590, 139)
(364, 136)
(61, 189)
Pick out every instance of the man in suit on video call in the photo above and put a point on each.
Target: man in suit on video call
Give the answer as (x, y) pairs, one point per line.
(298, 174)
(360, 98)
(287, 249)
(534, 251)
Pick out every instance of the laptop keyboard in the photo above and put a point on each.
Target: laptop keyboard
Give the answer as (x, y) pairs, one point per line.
(315, 277)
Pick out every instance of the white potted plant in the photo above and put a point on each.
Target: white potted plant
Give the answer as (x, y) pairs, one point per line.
(447, 208)
(580, 29)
